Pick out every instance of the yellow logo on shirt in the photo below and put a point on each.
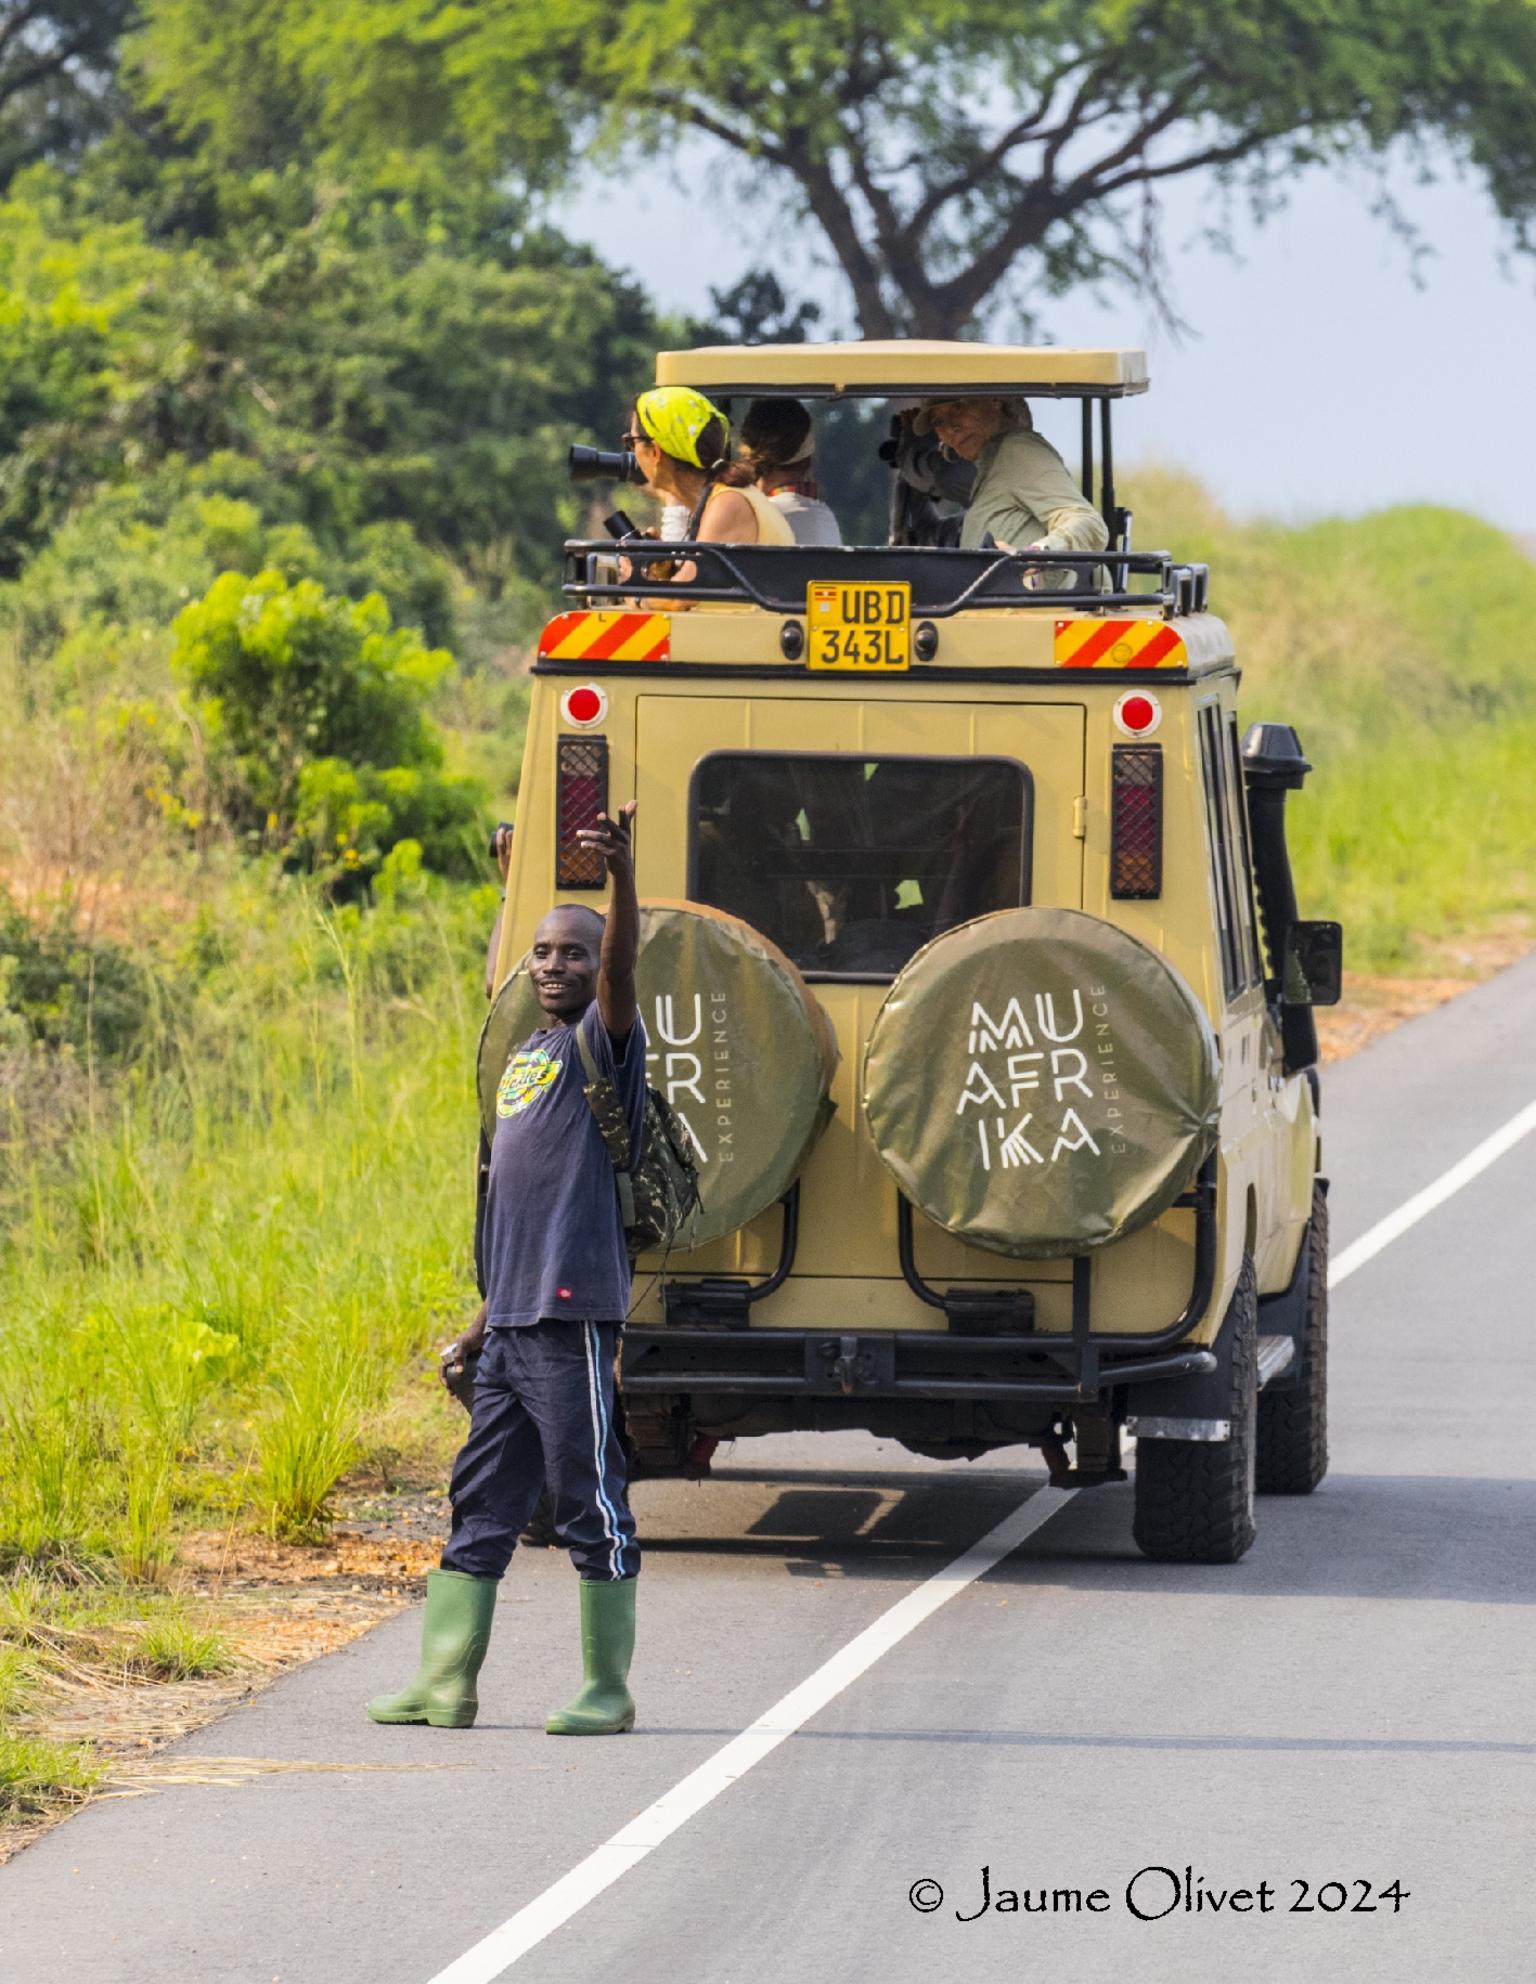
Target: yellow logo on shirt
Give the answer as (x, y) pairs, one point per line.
(529, 1073)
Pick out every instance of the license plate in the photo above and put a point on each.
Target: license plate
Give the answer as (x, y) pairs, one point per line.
(862, 629)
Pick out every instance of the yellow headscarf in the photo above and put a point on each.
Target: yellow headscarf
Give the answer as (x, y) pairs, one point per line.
(674, 417)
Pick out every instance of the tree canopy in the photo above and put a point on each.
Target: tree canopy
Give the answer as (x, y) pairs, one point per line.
(950, 154)
(370, 361)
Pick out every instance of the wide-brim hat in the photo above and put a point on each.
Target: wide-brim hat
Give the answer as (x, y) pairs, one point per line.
(1016, 409)
(922, 419)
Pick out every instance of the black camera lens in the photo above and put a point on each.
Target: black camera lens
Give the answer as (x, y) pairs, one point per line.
(502, 826)
(603, 465)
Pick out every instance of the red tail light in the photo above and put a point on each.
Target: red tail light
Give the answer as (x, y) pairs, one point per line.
(581, 793)
(1136, 822)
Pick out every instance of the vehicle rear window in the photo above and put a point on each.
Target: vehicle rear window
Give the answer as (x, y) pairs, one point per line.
(851, 864)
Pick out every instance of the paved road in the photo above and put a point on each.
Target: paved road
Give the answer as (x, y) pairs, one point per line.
(1353, 1703)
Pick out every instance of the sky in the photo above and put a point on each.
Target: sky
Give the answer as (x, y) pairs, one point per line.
(1318, 377)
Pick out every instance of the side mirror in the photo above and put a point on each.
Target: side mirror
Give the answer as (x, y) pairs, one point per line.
(1312, 965)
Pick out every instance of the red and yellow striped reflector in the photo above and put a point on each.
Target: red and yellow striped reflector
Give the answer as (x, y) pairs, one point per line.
(1119, 644)
(607, 637)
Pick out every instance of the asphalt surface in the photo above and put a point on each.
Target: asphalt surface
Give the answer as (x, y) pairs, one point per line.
(1351, 1704)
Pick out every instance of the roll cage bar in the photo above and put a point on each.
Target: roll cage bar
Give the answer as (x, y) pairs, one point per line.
(944, 581)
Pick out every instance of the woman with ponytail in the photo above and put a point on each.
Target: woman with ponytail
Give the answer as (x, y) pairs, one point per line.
(682, 442)
(778, 448)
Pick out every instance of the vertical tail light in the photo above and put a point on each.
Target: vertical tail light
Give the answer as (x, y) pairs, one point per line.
(1136, 822)
(581, 793)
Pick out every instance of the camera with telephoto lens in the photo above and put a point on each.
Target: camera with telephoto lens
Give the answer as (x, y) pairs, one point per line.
(603, 465)
(500, 826)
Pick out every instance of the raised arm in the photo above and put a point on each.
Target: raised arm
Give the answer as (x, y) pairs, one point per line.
(616, 1001)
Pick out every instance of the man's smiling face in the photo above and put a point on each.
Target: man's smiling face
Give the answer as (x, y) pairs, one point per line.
(564, 959)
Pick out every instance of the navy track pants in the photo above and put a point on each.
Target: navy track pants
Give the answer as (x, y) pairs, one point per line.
(544, 1411)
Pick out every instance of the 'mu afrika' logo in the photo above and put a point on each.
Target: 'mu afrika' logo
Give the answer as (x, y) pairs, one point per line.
(1011, 1060)
(693, 1068)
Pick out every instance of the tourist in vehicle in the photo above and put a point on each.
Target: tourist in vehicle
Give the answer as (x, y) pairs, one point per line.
(558, 1282)
(682, 442)
(778, 447)
(1025, 497)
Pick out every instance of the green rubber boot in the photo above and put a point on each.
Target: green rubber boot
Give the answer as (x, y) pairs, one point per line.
(605, 1706)
(455, 1632)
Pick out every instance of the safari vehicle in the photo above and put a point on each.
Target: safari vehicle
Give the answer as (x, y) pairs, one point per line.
(972, 964)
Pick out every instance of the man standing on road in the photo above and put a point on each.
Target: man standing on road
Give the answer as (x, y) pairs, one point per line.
(558, 1288)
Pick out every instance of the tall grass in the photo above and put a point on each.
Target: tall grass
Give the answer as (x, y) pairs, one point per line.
(213, 1284)
(1400, 645)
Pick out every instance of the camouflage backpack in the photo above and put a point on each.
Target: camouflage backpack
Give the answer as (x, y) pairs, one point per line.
(658, 1196)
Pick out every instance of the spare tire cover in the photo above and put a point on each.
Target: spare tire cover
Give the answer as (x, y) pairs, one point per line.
(1040, 1083)
(737, 1044)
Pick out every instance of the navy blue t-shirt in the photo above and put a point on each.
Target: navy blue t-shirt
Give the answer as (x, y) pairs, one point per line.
(554, 1235)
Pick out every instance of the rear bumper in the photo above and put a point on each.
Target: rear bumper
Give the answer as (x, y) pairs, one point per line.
(889, 1364)
(991, 1352)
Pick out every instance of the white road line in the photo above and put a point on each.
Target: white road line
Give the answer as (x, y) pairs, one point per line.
(496, 1953)
(1396, 1224)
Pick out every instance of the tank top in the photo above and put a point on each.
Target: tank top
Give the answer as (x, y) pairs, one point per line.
(772, 524)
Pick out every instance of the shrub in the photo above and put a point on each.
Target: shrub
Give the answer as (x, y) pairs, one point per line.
(315, 708)
(349, 815)
(97, 601)
(63, 991)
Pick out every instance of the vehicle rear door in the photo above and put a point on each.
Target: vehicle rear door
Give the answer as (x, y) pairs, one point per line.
(716, 789)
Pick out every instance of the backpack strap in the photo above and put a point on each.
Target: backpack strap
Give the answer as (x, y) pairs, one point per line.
(608, 1112)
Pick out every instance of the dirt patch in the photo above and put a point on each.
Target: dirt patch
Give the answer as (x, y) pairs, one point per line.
(214, 1562)
(1372, 1006)
(276, 1606)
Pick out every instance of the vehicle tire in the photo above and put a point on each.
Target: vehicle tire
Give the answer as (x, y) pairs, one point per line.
(1194, 1498)
(1293, 1424)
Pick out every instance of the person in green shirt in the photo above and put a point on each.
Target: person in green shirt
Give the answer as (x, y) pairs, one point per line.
(1024, 494)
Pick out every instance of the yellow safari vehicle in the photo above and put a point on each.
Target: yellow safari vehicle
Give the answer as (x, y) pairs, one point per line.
(972, 967)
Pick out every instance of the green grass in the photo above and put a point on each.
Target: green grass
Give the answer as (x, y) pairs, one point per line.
(223, 1263)
(36, 1776)
(218, 1279)
(176, 1648)
(1400, 645)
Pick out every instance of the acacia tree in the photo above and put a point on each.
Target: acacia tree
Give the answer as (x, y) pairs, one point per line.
(949, 154)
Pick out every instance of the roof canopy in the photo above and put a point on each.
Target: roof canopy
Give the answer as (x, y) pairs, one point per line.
(903, 367)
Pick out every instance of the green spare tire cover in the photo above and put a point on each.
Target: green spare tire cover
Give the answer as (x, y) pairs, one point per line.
(1040, 1083)
(737, 1044)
